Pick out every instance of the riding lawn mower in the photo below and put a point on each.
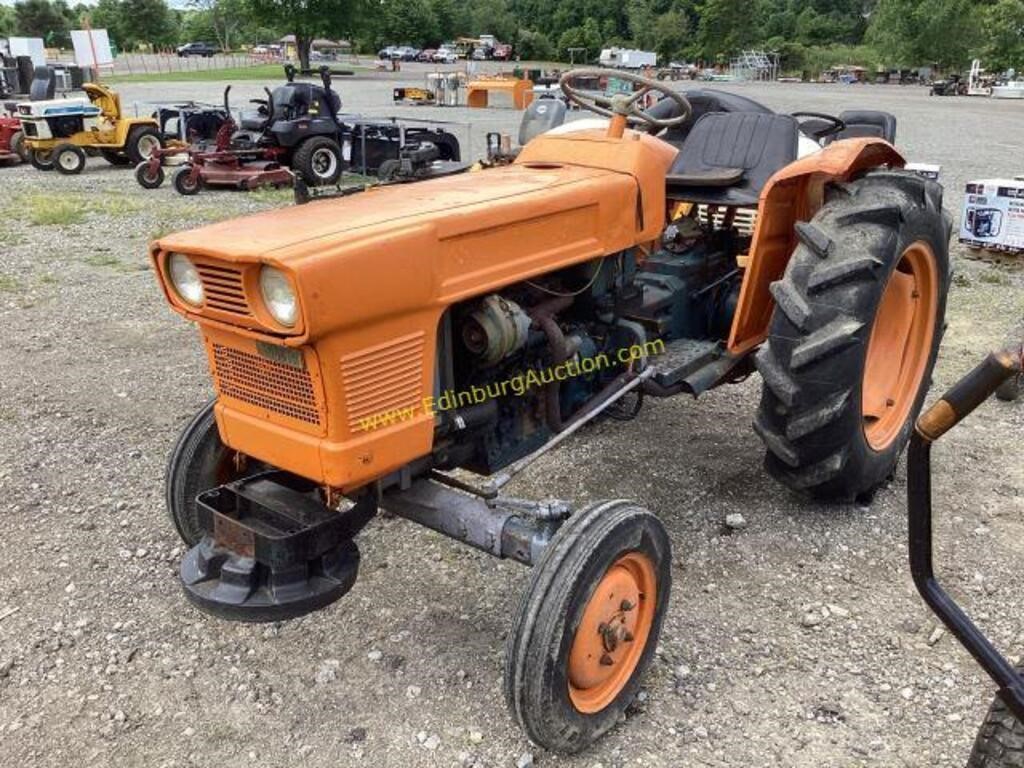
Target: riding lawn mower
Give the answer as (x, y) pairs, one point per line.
(59, 132)
(416, 348)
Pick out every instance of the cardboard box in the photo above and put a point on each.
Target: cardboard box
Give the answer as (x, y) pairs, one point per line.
(993, 215)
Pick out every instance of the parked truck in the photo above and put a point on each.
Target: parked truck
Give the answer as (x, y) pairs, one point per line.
(628, 58)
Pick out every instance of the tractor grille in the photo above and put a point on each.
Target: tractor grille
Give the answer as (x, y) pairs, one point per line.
(223, 288)
(383, 379)
(278, 387)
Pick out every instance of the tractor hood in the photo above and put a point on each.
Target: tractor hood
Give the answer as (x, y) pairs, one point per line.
(425, 245)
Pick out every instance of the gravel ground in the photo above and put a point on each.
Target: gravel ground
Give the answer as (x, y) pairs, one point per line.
(795, 641)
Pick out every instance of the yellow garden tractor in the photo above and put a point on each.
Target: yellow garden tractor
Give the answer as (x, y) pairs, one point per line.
(416, 348)
(60, 133)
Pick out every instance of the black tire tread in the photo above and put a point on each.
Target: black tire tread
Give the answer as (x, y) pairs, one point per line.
(812, 363)
(1000, 739)
(563, 565)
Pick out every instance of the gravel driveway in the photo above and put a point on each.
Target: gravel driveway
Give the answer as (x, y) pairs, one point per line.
(794, 641)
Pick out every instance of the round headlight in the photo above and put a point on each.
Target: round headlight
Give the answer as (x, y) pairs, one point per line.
(278, 296)
(185, 279)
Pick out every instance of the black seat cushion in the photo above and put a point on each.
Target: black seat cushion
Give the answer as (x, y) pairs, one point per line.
(705, 101)
(735, 153)
(867, 123)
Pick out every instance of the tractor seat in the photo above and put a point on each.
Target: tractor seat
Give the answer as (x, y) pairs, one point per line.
(43, 86)
(862, 123)
(729, 156)
(253, 122)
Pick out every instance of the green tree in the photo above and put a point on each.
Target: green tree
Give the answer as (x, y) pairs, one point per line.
(915, 32)
(726, 27)
(308, 19)
(1004, 44)
(7, 21)
(534, 46)
(407, 22)
(41, 18)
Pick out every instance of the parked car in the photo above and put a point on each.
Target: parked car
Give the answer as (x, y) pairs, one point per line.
(501, 52)
(388, 53)
(408, 53)
(480, 54)
(445, 56)
(197, 49)
(426, 55)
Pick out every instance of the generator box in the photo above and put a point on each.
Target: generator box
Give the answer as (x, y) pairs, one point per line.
(993, 215)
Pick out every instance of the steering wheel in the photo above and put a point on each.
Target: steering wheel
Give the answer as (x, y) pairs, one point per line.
(835, 125)
(624, 105)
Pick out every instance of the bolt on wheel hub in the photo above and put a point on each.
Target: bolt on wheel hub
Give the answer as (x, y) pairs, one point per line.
(612, 633)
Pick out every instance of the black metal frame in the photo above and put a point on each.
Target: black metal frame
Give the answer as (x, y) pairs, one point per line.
(955, 405)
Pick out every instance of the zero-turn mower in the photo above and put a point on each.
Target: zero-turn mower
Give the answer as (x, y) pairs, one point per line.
(220, 164)
(59, 132)
(415, 348)
(1000, 740)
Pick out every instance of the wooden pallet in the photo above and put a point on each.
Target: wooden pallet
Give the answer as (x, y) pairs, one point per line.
(997, 258)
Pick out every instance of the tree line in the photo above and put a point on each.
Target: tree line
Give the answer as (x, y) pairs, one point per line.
(809, 35)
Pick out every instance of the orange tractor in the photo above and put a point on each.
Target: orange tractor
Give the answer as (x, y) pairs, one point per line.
(415, 348)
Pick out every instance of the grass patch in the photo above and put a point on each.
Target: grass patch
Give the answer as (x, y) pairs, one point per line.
(994, 277)
(102, 260)
(44, 210)
(8, 284)
(255, 72)
(52, 210)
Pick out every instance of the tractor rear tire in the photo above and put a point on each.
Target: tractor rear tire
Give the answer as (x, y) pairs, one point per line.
(199, 462)
(69, 159)
(1000, 740)
(588, 624)
(42, 160)
(17, 144)
(319, 160)
(859, 315)
(141, 142)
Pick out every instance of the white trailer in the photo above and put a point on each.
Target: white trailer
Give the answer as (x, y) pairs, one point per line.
(628, 58)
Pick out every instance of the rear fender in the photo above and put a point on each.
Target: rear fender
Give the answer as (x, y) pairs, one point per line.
(794, 194)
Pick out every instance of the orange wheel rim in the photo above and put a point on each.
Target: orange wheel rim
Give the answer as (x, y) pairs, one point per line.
(900, 345)
(612, 633)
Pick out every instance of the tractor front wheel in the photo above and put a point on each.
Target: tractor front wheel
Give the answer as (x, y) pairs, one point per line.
(69, 159)
(588, 624)
(41, 159)
(199, 462)
(859, 315)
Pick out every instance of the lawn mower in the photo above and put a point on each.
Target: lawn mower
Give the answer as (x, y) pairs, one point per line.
(222, 164)
(304, 124)
(58, 132)
(416, 348)
(1000, 741)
